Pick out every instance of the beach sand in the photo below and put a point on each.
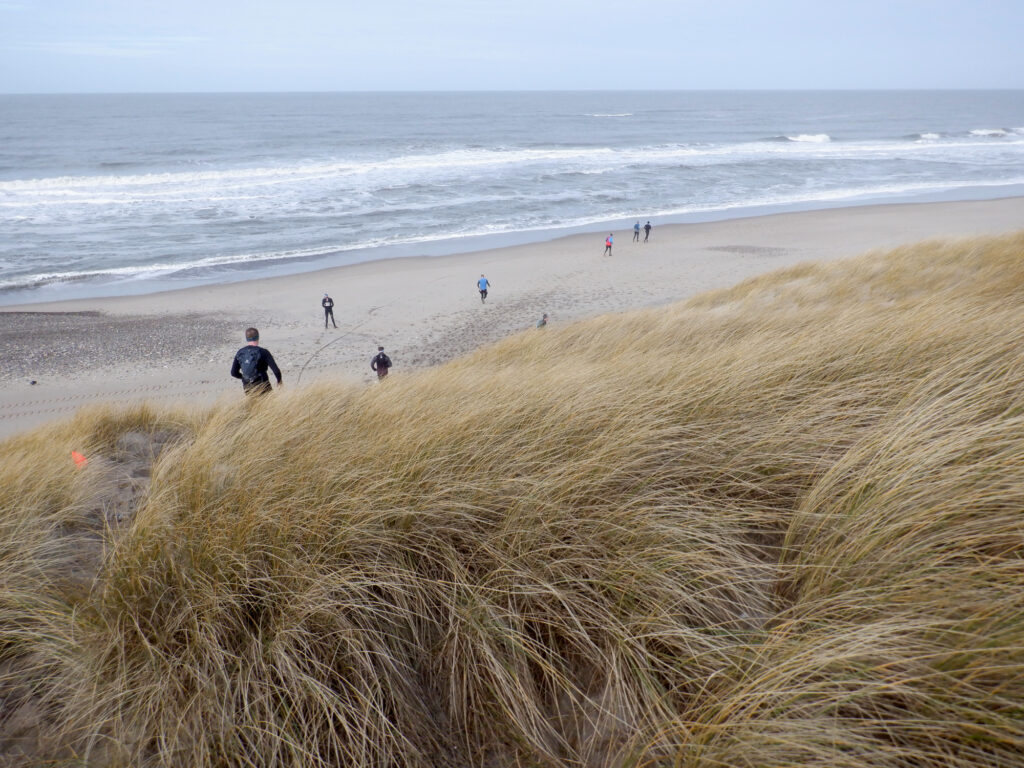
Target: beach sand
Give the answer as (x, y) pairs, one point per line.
(176, 347)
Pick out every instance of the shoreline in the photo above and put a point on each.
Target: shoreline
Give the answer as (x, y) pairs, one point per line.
(83, 290)
(176, 346)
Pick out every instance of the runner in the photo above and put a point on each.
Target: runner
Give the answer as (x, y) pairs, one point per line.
(328, 305)
(381, 363)
(251, 363)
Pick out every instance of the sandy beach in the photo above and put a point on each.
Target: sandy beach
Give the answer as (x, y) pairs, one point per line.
(176, 347)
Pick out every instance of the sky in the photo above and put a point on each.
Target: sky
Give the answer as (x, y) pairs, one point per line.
(116, 46)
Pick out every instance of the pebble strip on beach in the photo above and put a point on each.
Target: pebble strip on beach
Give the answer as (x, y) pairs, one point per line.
(42, 345)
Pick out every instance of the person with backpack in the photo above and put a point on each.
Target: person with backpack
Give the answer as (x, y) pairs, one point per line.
(608, 245)
(381, 363)
(251, 363)
(328, 305)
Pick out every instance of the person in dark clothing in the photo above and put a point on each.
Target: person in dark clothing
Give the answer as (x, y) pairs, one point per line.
(328, 305)
(380, 363)
(251, 363)
(647, 231)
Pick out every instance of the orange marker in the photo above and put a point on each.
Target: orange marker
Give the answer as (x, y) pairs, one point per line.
(79, 459)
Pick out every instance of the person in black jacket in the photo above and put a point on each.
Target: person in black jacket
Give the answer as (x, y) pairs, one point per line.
(328, 305)
(251, 363)
(380, 363)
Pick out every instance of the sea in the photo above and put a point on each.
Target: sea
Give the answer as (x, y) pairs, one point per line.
(128, 194)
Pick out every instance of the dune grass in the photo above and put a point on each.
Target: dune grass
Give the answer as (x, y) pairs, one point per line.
(775, 525)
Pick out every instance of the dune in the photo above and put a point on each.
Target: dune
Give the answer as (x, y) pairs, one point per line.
(773, 524)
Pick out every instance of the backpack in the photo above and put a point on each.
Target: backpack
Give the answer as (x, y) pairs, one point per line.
(382, 360)
(248, 361)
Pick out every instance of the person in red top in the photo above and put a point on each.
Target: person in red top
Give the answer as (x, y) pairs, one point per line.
(608, 245)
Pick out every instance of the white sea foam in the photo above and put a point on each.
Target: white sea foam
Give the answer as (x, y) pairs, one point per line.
(848, 194)
(988, 132)
(609, 114)
(136, 272)
(160, 270)
(930, 136)
(342, 178)
(447, 163)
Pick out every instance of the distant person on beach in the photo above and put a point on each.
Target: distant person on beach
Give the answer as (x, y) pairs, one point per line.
(251, 363)
(647, 231)
(543, 322)
(608, 245)
(483, 284)
(380, 363)
(636, 232)
(328, 305)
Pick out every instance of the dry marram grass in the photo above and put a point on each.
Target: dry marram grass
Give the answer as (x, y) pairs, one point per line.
(776, 525)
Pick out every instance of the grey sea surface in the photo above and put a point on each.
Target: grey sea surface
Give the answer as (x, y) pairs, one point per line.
(122, 194)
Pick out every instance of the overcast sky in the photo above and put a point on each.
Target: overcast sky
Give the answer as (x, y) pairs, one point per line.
(69, 46)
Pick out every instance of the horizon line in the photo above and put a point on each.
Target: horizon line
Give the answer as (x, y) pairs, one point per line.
(505, 90)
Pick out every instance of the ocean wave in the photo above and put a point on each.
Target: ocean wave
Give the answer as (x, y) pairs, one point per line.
(608, 114)
(168, 270)
(452, 162)
(143, 271)
(840, 195)
(458, 166)
(810, 138)
(371, 245)
(989, 132)
(351, 185)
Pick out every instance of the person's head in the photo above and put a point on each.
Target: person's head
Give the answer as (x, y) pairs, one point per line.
(545, 317)
(325, 295)
(380, 349)
(252, 335)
